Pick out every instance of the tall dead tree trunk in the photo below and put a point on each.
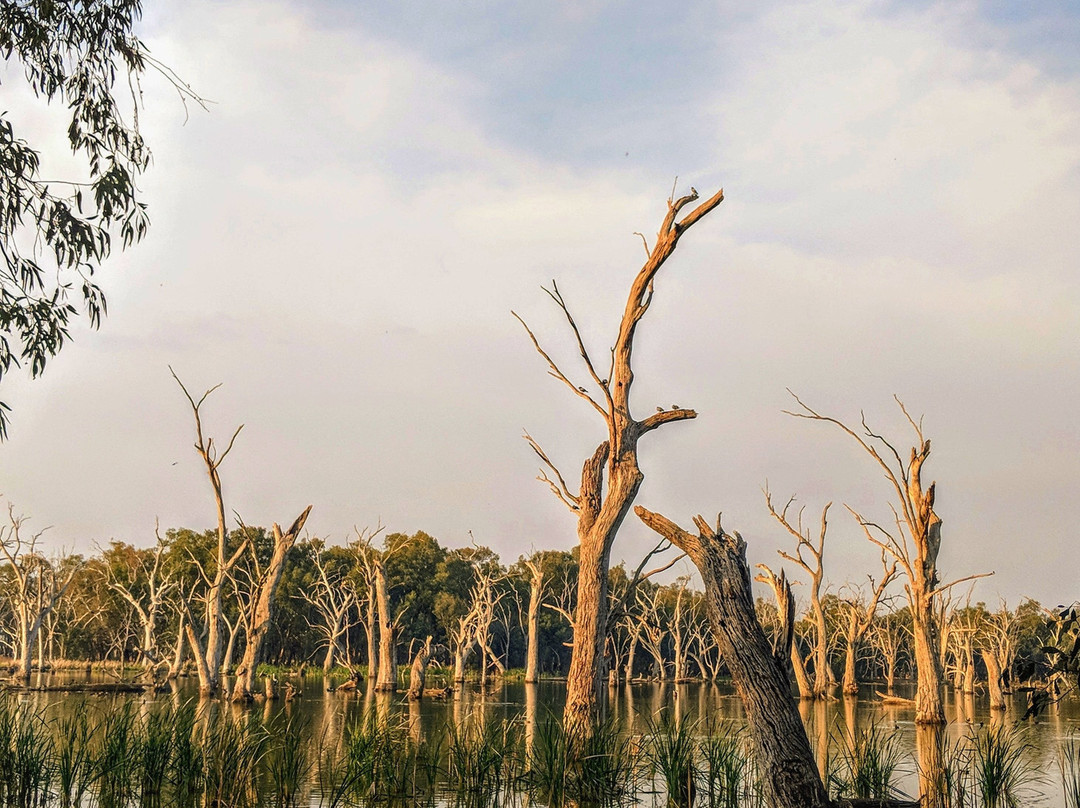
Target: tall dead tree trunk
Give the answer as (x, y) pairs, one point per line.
(914, 544)
(258, 622)
(993, 679)
(779, 740)
(536, 594)
(387, 678)
(208, 655)
(611, 477)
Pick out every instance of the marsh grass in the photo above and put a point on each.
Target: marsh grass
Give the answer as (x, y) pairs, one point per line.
(115, 762)
(31, 769)
(673, 753)
(232, 751)
(1002, 773)
(867, 763)
(1069, 766)
(74, 764)
(603, 769)
(726, 770)
(186, 776)
(288, 762)
(156, 741)
(482, 762)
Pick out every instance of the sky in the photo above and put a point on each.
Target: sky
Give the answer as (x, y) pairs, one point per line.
(340, 237)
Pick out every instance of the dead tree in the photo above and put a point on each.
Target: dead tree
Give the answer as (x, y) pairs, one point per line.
(859, 618)
(611, 476)
(334, 598)
(534, 564)
(913, 541)
(785, 607)
(207, 652)
(813, 564)
(418, 672)
(146, 591)
(261, 608)
(790, 774)
(36, 586)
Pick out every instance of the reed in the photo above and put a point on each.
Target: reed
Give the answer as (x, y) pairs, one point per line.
(725, 767)
(673, 751)
(186, 777)
(1001, 770)
(115, 763)
(482, 762)
(1069, 765)
(156, 743)
(31, 764)
(232, 752)
(867, 764)
(73, 761)
(288, 762)
(603, 768)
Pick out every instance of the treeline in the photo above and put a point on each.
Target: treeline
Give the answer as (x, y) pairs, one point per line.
(134, 606)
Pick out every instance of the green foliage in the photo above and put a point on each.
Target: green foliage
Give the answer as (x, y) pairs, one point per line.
(1001, 767)
(673, 751)
(71, 53)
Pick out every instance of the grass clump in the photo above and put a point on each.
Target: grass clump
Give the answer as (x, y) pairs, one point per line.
(867, 764)
(1001, 769)
(482, 762)
(672, 750)
(726, 780)
(598, 768)
(1069, 766)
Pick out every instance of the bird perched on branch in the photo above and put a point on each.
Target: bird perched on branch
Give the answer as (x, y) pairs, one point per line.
(659, 409)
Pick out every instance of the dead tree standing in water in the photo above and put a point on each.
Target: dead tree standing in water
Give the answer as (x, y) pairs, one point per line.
(611, 477)
(779, 740)
(914, 544)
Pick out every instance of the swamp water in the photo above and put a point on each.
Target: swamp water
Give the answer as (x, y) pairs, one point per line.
(484, 749)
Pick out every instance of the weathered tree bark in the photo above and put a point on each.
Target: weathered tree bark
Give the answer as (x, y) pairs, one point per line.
(418, 672)
(259, 620)
(387, 679)
(993, 679)
(536, 594)
(779, 740)
(914, 545)
(601, 508)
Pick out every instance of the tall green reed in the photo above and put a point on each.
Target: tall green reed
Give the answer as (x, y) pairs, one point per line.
(1069, 766)
(673, 751)
(482, 762)
(288, 761)
(232, 751)
(725, 768)
(867, 763)
(1001, 768)
(31, 761)
(115, 763)
(74, 762)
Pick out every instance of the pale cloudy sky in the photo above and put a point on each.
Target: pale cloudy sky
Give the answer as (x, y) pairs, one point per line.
(341, 238)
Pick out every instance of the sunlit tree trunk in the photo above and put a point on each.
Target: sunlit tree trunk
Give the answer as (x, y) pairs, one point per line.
(611, 477)
(785, 760)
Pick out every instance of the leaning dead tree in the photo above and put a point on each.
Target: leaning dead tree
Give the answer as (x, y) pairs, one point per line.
(789, 772)
(259, 611)
(35, 588)
(913, 540)
(810, 556)
(611, 476)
